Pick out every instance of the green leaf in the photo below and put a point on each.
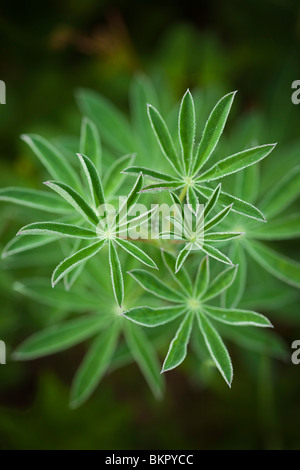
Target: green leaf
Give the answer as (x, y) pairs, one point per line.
(94, 366)
(181, 277)
(116, 274)
(53, 160)
(141, 93)
(74, 260)
(182, 256)
(178, 347)
(247, 183)
(59, 337)
(213, 198)
(155, 286)
(202, 278)
(217, 218)
(132, 198)
(114, 127)
(56, 228)
(158, 187)
(213, 130)
(215, 253)
(156, 175)
(114, 176)
(220, 283)
(282, 194)
(237, 317)
(239, 206)
(136, 252)
(187, 128)
(236, 162)
(93, 179)
(151, 316)
(222, 236)
(216, 348)
(145, 356)
(75, 200)
(192, 199)
(258, 340)
(278, 265)
(40, 291)
(90, 143)
(35, 199)
(280, 229)
(21, 244)
(233, 295)
(164, 138)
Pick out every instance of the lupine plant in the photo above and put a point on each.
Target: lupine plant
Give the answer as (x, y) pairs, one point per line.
(95, 245)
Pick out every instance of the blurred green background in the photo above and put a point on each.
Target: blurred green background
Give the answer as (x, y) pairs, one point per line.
(47, 50)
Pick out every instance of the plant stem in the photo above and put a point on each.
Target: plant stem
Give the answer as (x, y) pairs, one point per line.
(183, 193)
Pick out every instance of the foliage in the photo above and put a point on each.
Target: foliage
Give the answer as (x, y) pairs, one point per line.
(86, 237)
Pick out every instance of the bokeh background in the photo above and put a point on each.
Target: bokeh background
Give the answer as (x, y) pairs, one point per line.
(47, 50)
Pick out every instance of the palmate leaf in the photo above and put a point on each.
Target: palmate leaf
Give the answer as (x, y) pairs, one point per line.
(139, 254)
(59, 337)
(181, 277)
(93, 179)
(154, 316)
(40, 291)
(220, 283)
(56, 228)
(239, 206)
(216, 348)
(222, 236)
(164, 138)
(35, 199)
(215, 253)
(116, 274)
(114, 127)
(156, 175)
(258, 340)
(94, 366)
(74, 260)
(114, 176)
(213, 131)
(236, 162)
(233, 295)
(156, 287)
(192, 199)
(75, 200)
(142, 92)
(182, 256)
(187, 128)
(212, 200)
(279, 229)
(237, 317)
(145, 356)
(21, 244)
(282, 194)
(53, 160)
(217, 218)
(202, 278)
(90, 143)
(162, 186)
(178, 347)
(278, 265)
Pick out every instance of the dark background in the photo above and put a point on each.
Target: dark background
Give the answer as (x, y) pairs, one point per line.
(47, 50)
